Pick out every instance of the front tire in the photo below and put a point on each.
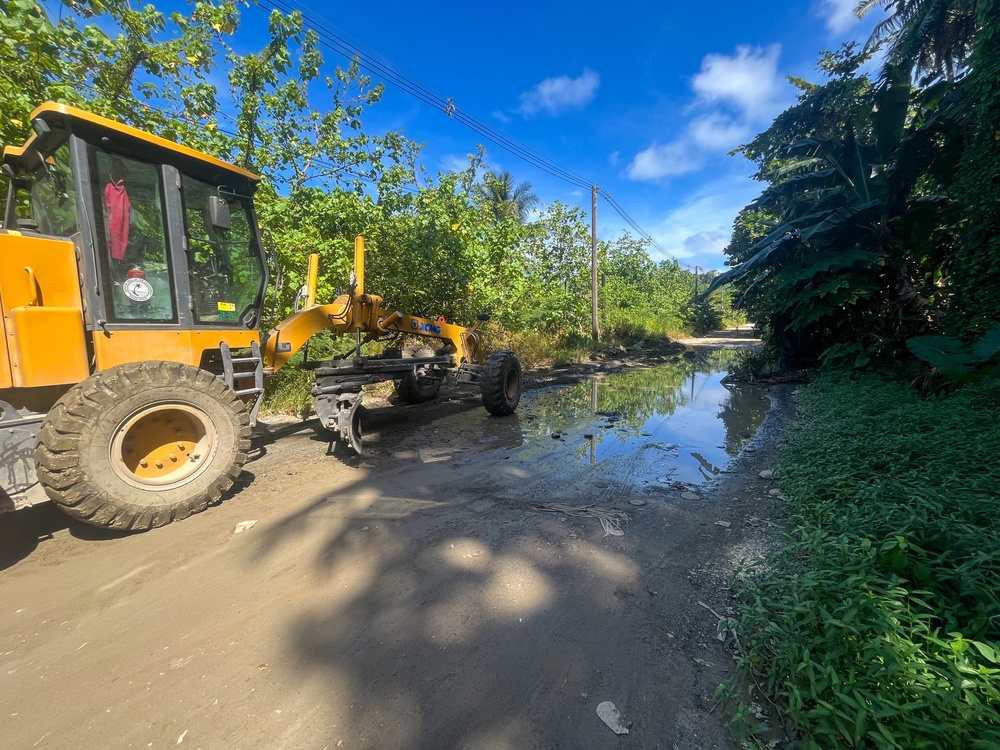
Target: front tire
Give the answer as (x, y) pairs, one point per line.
(501, 383)
(142, 444)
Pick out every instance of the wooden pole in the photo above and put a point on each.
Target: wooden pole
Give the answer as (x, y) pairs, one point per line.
(593, 261)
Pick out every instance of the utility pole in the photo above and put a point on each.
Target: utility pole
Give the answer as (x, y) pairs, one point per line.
(593, 260)
(696, 281)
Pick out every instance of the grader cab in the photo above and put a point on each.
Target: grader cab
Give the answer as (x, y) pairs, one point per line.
(132, 287)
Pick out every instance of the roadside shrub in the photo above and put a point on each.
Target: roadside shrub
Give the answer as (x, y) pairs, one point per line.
(877, 624)
(627, 331)
(289, 391)
(704, 316)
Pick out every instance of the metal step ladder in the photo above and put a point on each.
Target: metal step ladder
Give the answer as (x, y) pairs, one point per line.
(240, 371)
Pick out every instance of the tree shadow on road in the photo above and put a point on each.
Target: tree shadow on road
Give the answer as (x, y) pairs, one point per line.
(453, 614)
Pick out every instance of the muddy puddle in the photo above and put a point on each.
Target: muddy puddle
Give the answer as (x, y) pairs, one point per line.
(653, 428)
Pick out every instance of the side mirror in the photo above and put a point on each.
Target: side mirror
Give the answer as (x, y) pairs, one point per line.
(483, 317)
(217, 212)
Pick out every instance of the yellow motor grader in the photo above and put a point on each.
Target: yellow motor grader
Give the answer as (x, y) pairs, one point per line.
(132, 366)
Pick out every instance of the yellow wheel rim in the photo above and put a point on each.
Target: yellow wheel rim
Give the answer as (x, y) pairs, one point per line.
(162, 446)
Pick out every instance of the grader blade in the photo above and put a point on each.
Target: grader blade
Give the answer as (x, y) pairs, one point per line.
(349, 421)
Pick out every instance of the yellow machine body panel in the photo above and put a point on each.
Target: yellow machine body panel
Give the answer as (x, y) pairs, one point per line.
(44, 337)
(6, 378)
(186, 346)
(44, 333)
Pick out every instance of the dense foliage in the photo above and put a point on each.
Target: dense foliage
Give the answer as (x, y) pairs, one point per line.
(936, 35)
(452, 244)
(874, 245)
(878, 624)
(978, 188)
(879, 220)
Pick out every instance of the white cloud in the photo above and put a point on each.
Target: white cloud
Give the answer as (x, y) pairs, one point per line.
(614, 158)
(453, 163)
(556, 95)
(716, 131)
(747, 81)
(707, 243)
(735, 95)
(838, 15)
(698, 231)
(712, 132)
(502, 117)
(665, 160)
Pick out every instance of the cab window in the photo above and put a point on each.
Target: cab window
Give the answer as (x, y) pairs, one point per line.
(45, 200)
(224, 263)
(133, 247)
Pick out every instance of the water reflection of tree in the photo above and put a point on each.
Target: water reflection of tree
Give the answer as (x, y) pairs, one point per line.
(741, 414)
(631, 397)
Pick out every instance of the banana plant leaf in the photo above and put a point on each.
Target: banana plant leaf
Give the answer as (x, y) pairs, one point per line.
(823, 179)
(892, 102)
(835, 221)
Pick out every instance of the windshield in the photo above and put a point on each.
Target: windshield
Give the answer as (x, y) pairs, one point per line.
(225, 264)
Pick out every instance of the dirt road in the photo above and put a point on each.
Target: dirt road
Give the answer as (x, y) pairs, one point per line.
(413, 598)
(740, 336)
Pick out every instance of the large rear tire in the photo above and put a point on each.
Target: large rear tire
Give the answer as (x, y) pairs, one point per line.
(501, 383)
(413, 388)
(142, 444)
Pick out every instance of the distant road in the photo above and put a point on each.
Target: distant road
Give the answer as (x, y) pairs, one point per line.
(739, 336)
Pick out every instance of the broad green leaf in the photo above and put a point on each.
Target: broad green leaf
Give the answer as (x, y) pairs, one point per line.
(945, 353)
(988, 346)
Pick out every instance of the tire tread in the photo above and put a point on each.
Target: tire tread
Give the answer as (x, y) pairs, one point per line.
(60, 462)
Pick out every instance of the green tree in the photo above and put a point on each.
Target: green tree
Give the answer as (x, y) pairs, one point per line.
(139, 67)
(503, 199)
(935, 36)
(853, 263)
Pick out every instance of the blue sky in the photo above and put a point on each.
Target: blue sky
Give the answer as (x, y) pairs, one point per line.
(644, 99)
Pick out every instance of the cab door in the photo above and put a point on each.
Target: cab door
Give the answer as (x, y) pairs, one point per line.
(44, 342)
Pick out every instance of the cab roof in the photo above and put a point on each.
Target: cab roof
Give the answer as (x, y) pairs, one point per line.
(53, 121)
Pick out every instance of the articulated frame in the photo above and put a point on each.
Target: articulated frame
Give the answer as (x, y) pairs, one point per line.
(337, 392)
(363, 315)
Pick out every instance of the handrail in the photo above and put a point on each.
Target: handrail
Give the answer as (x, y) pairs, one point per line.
(32, 287)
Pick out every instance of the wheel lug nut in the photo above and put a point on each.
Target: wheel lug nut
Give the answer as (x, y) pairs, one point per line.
(180, 446)
(159, 464)
(143, 463)
(173, 456)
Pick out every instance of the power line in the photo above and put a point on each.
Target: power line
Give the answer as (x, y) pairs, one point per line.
(372, 61)
(340, 42)
(634, 224)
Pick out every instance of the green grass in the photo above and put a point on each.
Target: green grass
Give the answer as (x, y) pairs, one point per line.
(877, 625)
